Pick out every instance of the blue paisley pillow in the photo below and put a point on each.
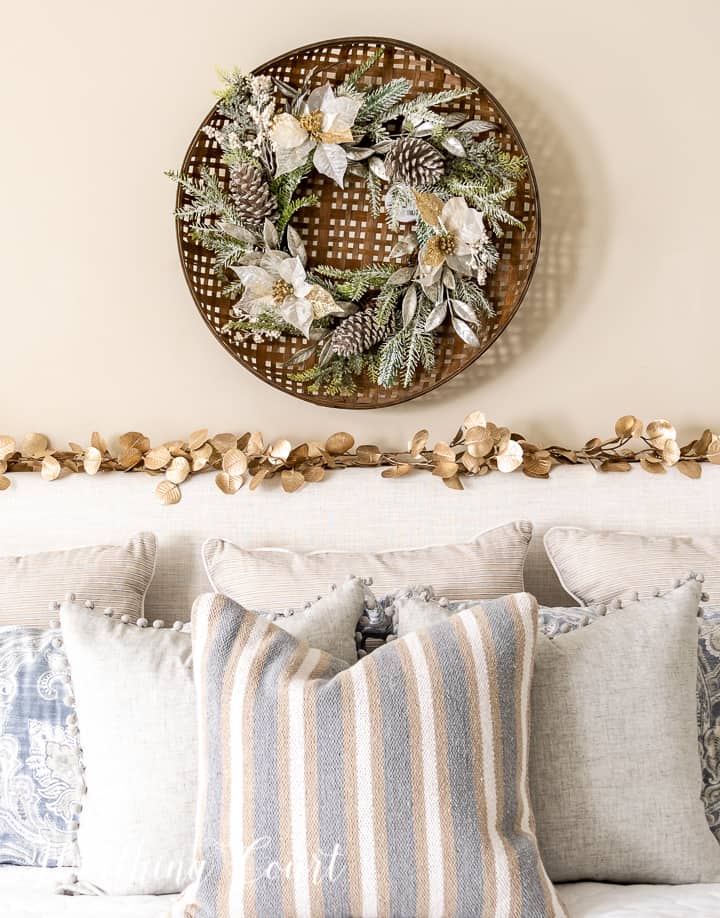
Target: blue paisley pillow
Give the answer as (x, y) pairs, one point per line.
(40, 777)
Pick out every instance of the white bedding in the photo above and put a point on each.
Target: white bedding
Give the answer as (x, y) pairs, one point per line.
(29, 892)
(603, 900)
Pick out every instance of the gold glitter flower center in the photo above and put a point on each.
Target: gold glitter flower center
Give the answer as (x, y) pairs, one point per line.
(312, 122)
(281, 290)
(446, 244)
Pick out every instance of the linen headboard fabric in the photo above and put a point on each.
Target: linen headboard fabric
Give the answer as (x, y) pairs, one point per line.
(349, 510)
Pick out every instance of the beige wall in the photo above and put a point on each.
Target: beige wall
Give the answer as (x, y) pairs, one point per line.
(617, 102)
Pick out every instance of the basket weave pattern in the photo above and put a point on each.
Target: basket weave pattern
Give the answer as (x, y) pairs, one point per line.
(343, 233)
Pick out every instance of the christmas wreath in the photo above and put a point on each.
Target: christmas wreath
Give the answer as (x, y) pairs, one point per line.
(440, 180)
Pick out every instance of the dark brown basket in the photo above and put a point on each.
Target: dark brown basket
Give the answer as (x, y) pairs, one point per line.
(342, 232)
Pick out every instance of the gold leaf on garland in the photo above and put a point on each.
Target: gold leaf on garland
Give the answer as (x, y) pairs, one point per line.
(34, 446)
(133, 440)
(228, 484)
(314, 473)
(397, 471)
(7, 447)
(689, 467)
(235, 463)
(168, 493)
(628, 426)
(339, 443)
(291, 480)
(50, 468)
(197, 439)
(223, 442)
(418, 442)
(157, 458)
(4, 482)
(178, 470)
(652, 464)
(92, 460)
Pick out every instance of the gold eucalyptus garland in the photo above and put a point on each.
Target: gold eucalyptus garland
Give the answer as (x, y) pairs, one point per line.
(477, 448)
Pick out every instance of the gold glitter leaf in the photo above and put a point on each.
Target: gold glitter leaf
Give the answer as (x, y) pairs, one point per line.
(432, 255)
(4, 482)
(453, 483)
(429, 207)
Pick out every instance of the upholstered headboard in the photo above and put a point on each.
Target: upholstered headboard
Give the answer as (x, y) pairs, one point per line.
(349, 510)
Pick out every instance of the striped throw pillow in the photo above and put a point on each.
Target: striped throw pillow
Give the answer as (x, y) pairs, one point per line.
(397, 786)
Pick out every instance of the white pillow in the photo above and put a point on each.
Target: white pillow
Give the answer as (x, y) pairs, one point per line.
(135, 705)
(489, 566)
(133, 695)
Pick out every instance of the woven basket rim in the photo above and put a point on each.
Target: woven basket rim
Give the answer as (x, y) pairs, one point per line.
(405, 395)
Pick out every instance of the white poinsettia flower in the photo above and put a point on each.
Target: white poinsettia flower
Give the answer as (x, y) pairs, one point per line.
(324, 123)
(279, 285)
(459, 244)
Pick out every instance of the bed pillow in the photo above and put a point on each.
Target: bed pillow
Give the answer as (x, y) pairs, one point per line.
(396, 786)
(40, 777)
(615, 774)
(330, 623)
(599, 567)
(111, 575)
(135, 705)
(271, 578)
(418, 607)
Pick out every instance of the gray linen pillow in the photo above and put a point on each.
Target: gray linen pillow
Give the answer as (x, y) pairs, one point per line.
(614, 767)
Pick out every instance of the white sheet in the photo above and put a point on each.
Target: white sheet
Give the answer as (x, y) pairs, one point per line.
(603, 900)
(29, 892)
